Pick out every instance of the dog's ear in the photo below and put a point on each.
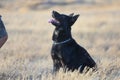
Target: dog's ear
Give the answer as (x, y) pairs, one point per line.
(71, 15)
(73, 19)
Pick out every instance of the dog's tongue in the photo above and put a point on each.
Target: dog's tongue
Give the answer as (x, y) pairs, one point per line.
(51, 20)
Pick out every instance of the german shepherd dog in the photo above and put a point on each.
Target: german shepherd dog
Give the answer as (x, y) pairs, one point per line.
(65, 52)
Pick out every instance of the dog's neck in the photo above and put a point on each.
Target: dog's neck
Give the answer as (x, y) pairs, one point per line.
(62, 42)
(60, 37)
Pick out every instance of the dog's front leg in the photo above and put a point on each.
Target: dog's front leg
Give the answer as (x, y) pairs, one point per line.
(56, 65)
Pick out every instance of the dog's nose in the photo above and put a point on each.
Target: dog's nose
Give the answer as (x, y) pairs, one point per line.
(53, 11)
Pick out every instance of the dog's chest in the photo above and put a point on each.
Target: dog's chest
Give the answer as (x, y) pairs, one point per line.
(63, 52)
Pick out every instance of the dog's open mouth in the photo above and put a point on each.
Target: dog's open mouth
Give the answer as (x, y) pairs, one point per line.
(53, 20)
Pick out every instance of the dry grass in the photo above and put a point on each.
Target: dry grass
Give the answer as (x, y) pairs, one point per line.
(26, 54)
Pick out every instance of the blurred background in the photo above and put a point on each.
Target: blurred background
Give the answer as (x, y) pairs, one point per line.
(36, 5)
(26, 54)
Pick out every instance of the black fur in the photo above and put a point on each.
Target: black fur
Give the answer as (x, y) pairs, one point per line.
(66, 53)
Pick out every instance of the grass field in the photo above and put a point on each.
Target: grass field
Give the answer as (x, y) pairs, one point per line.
(26, 54)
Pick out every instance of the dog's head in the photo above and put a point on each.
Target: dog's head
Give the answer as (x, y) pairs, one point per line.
(62, 25)
(62, 20)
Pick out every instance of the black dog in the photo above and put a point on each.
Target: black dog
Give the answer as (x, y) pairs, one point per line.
(66, 53)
